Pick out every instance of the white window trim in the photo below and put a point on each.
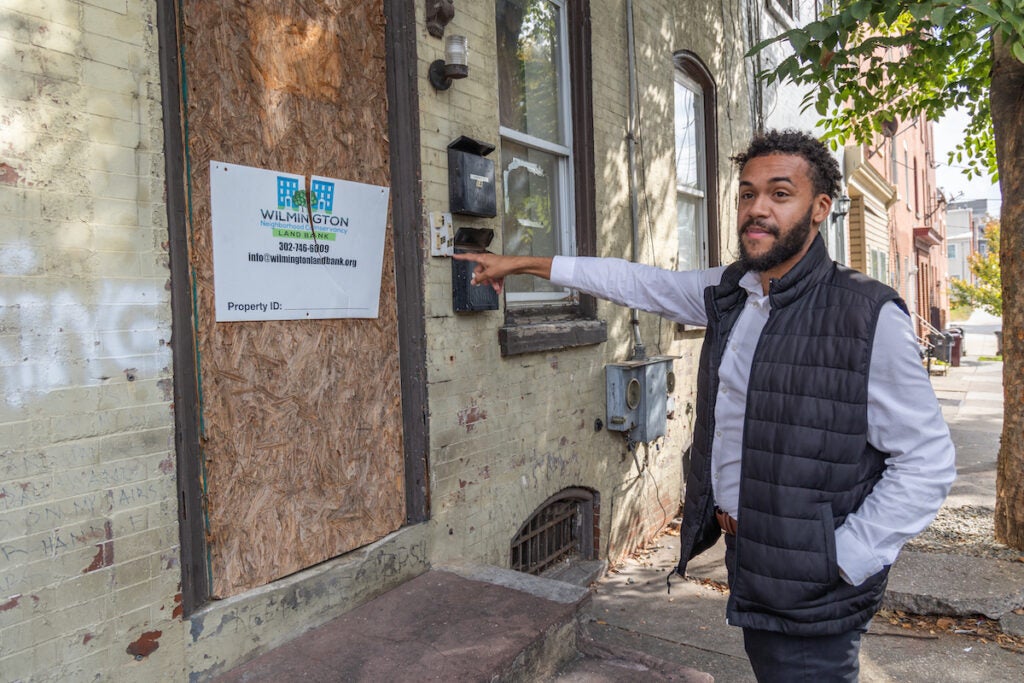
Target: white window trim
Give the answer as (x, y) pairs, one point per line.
(702, 259)
(565, 187)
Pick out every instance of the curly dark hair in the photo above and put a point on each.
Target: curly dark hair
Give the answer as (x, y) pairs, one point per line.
(825, 175)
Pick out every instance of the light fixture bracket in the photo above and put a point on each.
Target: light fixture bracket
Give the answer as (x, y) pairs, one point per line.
(437, 76)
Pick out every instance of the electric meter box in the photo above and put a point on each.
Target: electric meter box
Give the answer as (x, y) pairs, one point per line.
(471, 178)
(467, 297)
(637, 397)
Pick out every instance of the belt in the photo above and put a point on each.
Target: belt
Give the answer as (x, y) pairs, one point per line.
(725, 521)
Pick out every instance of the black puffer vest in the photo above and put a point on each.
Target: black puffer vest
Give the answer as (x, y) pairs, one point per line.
(806, 462)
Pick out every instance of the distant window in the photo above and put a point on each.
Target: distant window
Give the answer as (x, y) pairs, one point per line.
(789, 9)
(951, 251)
(906, 173)
(878, 265)
(696, 189)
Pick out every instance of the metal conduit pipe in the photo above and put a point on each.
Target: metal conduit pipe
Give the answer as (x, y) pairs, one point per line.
(639, 352)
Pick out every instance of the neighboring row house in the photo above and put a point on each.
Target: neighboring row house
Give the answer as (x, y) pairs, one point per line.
(897, 219)
(187, 480)
(966, 221)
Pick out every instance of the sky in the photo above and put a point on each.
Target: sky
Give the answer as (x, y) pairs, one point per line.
(948, 133)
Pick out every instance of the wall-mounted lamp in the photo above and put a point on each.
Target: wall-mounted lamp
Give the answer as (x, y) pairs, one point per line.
(841, 208)
(454, 65)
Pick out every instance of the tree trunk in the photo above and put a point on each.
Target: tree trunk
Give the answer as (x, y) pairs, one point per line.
(1007, 100)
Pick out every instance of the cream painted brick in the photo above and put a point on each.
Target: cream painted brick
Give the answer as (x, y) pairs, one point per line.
(44, 517)
(27, 59)
(20, 464)
(105, 77)
(16, 86)
(115, 105)
(27, 664)
(114, 52)
(77, 482)
(62, 12)
(124, 25)
(24, 493)
(114, 132)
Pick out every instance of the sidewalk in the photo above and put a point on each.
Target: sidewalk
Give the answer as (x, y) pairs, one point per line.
(631, 609)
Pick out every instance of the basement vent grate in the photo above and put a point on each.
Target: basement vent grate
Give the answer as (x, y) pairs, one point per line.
(559, 531)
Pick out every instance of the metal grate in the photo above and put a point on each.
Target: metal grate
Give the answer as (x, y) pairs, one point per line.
(561, 530)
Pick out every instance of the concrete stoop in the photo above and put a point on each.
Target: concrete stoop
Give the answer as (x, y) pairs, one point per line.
(456, 623)
(461, 623)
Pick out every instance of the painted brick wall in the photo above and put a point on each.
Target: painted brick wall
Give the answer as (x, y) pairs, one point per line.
(507, 433)
(88, 514)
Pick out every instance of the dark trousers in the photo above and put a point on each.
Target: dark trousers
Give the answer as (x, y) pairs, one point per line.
(780, 658)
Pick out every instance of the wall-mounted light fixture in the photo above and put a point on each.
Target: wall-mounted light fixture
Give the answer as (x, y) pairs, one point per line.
(841, 208)
(454, 65)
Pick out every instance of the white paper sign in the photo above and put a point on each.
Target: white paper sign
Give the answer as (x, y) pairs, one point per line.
(267, 264)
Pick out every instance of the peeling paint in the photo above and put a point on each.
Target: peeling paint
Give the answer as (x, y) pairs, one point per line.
(10, 604)
(166, 386)
(179, 609)
(146, 644)
(196, 629)
(8, 174)
(468, 417)
(104, 551)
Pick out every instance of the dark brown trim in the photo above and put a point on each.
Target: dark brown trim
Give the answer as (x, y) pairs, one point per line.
(195, 579)
(406, 216)
(694, 67)
(582, 97)
(551, 336)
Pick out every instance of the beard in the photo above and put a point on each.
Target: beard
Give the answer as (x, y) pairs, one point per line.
(787, 244)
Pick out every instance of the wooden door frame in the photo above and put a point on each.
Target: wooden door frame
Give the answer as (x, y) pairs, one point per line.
(406, 212)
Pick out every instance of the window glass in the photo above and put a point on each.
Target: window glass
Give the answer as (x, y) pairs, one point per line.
(530, 59)
(536, 152)
(531, 210)
(691, 173)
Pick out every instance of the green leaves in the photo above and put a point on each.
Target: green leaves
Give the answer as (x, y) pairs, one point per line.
(902, 57)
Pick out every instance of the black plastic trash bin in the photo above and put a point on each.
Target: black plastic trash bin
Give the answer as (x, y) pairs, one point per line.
(956, 339)
(940, 345)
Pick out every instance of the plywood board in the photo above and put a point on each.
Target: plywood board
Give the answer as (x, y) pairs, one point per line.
(301, 420)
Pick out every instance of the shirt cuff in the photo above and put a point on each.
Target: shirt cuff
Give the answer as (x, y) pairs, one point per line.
(856, 561)
(562, 270)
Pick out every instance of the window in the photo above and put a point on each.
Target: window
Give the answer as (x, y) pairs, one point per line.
(696, 164)
(906, 172)
(951, 251)
(878, 267)
(536, 140)
(894, 169)
(547, 166)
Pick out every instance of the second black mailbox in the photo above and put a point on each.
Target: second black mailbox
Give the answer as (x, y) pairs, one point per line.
(467, 297)
(471, 178)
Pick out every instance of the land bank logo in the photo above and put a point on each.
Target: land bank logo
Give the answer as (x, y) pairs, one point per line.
(295, 208)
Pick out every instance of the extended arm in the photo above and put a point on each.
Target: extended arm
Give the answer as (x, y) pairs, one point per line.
(492, 269)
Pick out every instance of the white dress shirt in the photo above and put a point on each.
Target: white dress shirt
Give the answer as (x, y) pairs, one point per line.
(904, 419)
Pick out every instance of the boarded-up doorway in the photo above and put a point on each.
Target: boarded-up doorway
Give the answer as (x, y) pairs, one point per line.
(301, 425)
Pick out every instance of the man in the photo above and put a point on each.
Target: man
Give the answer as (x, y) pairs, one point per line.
(819, 447)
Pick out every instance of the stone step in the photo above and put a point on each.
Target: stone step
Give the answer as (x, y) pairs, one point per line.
(454, 623)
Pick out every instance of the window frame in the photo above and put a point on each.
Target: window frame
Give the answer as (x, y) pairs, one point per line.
(572, 322)
(562, 152)
(693, 67)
